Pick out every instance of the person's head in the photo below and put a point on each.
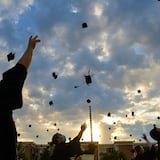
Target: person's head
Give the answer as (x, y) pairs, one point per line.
(58, 138)
(139, 149)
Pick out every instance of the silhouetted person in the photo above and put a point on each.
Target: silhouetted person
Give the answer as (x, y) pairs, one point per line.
(11, 98)
(62, 150)
(142, 154)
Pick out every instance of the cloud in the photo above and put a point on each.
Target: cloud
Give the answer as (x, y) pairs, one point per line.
(120, 47)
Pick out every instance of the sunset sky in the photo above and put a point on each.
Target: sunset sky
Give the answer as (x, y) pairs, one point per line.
(120, 49)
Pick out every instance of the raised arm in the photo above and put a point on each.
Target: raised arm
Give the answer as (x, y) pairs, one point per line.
(83, 127)
(146, 139)
(27, 56)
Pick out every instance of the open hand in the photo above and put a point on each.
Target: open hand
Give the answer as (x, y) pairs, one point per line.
(33, 41)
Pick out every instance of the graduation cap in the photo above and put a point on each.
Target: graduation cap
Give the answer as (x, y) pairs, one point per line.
(130, 135)
(76, 86)
(55, 124)
(126, 115)
(50, 103)
(29, 125)
(114, 122)
(37, 136)
(109, 128)
(10, 56)
(140, 140)
(115, 137)
(18, 134)
(139, 91)
(54, 75)
(132, 113)
(58, 129)
(88, 101)
(84, 25)
(158, 117)
(47, 130)
(88, 79)
(109, 114)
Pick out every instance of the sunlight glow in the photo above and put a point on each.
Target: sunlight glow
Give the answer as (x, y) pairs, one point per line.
(95, 132)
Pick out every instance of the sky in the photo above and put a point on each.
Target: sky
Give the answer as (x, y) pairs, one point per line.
(119, 49)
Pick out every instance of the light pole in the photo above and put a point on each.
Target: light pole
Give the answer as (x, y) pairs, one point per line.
(90, 117)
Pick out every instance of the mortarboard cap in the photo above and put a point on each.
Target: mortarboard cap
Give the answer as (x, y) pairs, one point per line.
(18, 134)
(139, 91)
(50, 103)
(115, 137)
(54, 75)
(84, 25)
(109, 114)
(88, 100)
(10, 56)
(88, 79)
(132, 113)
(76, 86)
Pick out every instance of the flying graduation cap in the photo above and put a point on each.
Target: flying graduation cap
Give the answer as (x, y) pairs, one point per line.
(76, 86)
(30, 125)
(88, 78)
(109, 114)
(139, 91)
(84, 25)
(18, 134)
(50, 103)
(10, 56)
(54, 75)
(88, 101)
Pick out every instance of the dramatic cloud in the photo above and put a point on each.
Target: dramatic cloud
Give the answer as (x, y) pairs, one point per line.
(119, 48)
